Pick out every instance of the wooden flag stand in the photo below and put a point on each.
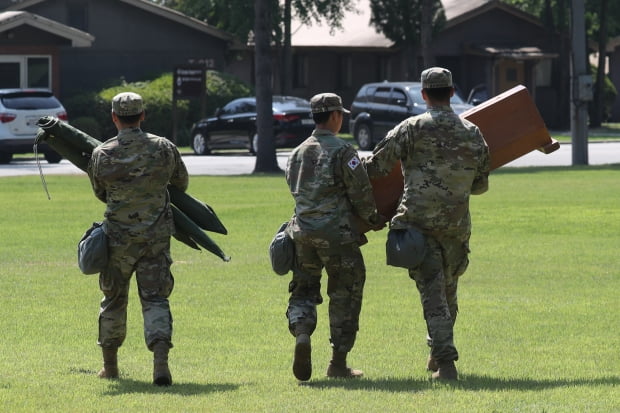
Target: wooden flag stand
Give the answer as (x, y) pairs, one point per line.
(511, 126)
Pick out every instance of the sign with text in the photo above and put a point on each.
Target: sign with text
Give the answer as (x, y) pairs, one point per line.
(189, 82)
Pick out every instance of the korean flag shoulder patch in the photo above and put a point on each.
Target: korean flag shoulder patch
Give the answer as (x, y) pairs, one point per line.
(354, 163)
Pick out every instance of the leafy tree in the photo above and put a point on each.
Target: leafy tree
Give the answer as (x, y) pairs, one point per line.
(267, 23)
(309, 12)
(555, 14)
(602, 22)
(237, 17)
(410, 24)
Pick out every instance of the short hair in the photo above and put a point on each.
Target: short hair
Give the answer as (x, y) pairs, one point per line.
(131, 119)
(321, 117)
(440, 94)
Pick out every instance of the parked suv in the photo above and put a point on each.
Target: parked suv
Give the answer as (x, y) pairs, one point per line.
(378, 107)
(20, 109)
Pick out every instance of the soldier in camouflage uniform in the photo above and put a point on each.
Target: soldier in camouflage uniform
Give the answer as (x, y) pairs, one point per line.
(444, 160)
(332, 192)
(130, 173)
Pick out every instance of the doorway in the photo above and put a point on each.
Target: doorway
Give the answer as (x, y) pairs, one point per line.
(509, 73)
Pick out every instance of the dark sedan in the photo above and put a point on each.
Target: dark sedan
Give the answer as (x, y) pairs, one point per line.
(234, 125)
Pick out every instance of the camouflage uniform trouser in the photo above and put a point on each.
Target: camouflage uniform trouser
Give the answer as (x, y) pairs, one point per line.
(346, 275)
(437, 280)
(151, 263)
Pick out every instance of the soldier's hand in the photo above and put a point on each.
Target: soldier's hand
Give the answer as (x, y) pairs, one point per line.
(381, 223)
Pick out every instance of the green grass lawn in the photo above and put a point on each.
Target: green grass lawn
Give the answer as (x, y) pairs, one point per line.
(537, 331)
(608, 132)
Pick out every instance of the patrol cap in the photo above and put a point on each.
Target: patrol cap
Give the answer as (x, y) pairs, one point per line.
(327, 102)
(436, 77)
(127, 104)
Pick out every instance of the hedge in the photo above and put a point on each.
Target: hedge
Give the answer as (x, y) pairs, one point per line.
(90, 111)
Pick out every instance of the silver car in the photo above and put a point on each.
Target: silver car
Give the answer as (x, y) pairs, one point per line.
(20, 109)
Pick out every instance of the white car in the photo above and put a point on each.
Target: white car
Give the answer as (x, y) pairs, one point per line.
(20, 109)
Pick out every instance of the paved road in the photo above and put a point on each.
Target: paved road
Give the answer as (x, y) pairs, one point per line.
(241, 163)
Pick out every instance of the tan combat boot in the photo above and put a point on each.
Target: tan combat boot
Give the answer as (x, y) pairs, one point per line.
(302, 364)
(161, 372)
(446, 371)
(338, 369)
(110, 363)
(431, 364)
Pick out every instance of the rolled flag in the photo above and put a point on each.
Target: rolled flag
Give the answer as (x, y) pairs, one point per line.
(201, 213)
(191, 215)
(189, 233)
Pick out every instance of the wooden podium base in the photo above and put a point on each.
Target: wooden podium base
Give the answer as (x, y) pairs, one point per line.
(511, 126)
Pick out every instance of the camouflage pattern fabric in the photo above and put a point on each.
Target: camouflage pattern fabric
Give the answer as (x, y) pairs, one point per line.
(437, 280)
(331, 188)
(345, 286)
(332, 191)
(444, 160)
(151, 262)
(130, 173)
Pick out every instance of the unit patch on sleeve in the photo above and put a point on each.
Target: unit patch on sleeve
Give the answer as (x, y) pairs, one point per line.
(353, 163)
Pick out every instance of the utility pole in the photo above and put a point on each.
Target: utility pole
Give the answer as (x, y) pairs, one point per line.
(581, 85)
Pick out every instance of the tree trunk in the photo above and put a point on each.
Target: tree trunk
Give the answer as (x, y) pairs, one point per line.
(562, 120)
(598, 104)
(287, 55)
(266, 160)
(426, 30)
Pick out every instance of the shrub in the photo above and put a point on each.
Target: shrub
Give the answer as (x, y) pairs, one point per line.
(157, 95)
(609, 95)
(88, 125)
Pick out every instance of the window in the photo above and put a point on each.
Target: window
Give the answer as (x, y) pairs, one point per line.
(366, 93)
(25, 71)
(543, 73)
(9, 75)
(38, 72)
(399, 98)
(246, 106)
(231, 108)
(416, 95)
(382, 95)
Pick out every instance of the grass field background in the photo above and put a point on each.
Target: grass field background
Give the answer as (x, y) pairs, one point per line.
(538, 329)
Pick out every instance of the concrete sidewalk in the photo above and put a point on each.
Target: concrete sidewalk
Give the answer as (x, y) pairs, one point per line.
(243, 164)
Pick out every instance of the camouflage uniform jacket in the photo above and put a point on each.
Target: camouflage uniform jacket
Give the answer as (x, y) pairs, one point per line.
(331, 191)
(130, 173)
(444, 159)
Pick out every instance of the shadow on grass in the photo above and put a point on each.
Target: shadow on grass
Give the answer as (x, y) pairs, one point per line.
(129, 386)
(125, 385)
(531, 169)
(466, 382)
